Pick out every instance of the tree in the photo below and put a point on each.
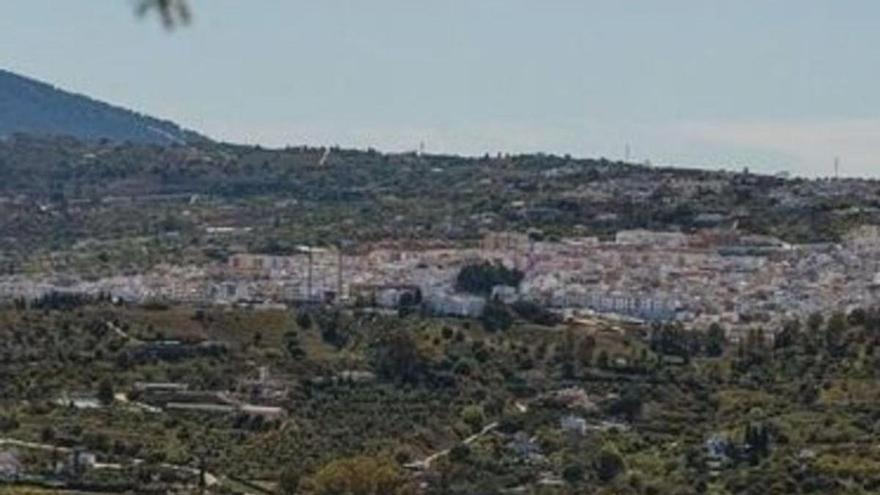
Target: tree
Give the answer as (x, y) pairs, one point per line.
(835, 334)
(409, 302)
(808, 392)
(459, 453)
(674, 340)
(585, 350)
(715, 340)
(47, 434)
(757, 441)
(814, 322)
(566, 354)
(105, 392)
(857, 317)
(608, 465)
(603, 361)
(753, 350)
(496, 317)
(304, 320)
(361, 475)
(481, 278)
(8, 422)
(289, 482)
(292, 344)
(789, 336)
(334, 327)
(397, 356)
(629, 405)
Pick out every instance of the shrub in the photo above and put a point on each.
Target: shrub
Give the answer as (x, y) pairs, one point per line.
(474, 417)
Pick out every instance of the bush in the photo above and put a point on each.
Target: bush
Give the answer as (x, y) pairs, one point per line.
(105, 392)
(573, 473)
(474, 417)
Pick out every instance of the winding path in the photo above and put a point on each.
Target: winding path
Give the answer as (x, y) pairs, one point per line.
(210, 479)
(521, 407)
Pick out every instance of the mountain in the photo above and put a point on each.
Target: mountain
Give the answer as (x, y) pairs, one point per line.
(33, 107)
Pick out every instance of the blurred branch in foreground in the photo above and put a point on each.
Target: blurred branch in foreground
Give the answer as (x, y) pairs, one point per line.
(172, 12)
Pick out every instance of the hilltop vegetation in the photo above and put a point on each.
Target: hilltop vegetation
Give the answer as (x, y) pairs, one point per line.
(134, 198)
(364, 401)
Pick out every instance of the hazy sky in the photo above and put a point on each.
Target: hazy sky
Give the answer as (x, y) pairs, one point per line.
(770, 84)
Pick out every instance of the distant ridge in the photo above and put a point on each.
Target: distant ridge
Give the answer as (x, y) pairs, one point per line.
(28, 106)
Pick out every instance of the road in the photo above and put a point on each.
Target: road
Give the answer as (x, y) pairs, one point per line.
(122, 333)
(11, 442)
(123, 399)
(427, 461)
(210, 478)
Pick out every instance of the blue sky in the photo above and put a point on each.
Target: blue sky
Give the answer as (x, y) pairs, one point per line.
(769, 84)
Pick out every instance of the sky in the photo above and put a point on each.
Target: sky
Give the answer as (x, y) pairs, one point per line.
(772, 85)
